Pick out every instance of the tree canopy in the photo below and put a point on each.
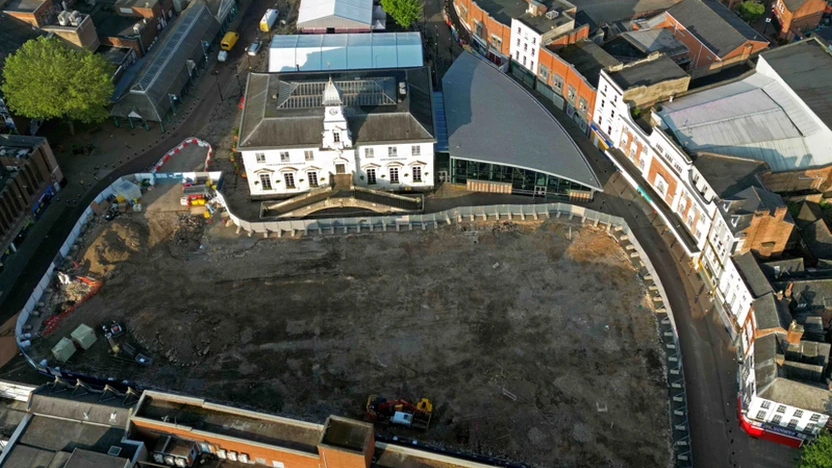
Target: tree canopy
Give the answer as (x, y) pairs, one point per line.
(46, 79)
(818, 454)
(404, 12)
(751, 11)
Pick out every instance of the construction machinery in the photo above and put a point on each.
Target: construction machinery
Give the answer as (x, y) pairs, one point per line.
(401, 412)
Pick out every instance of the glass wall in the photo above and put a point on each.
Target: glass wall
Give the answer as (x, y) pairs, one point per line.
(523, 181)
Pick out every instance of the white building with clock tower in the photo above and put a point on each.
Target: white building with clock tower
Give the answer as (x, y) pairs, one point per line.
(297, 130)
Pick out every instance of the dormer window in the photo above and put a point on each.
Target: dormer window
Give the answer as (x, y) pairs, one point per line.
(734, 220)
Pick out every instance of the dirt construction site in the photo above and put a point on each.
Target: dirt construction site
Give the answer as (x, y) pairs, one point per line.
(535, 340)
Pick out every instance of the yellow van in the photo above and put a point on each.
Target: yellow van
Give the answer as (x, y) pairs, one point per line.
(229, 40)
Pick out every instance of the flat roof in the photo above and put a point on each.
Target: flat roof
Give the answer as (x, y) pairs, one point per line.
(113, 25)
(23, 5)
(647, 72)
(88, 459)
(347, 434)
(233, 422)
(588, 58)
(492, 119)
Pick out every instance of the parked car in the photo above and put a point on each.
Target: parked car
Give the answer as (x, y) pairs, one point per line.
(253, 48)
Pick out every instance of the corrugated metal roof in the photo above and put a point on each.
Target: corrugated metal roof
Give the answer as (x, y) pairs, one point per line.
(756, 118)
(320, 52)
(484, 110)
(335, 13)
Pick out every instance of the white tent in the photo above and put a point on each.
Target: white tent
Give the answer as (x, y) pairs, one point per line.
(322, 52)
(338, 15)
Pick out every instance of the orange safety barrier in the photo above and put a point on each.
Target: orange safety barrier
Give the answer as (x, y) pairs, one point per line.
(50, 324)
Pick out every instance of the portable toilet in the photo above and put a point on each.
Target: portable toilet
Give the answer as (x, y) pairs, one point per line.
(84, 336)
(64, 349)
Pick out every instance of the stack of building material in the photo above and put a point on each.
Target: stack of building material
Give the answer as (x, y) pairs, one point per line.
(64, 349)
(84, 336)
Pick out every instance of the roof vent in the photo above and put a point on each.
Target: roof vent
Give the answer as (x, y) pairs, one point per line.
(552, 14)
(114, 451)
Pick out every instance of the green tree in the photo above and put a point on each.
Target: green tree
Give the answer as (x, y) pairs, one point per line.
(817, 454)
(46, 79)
(751, 11)
(405, 12)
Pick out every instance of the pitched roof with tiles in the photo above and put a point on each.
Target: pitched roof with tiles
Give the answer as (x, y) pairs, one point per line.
(714, 24)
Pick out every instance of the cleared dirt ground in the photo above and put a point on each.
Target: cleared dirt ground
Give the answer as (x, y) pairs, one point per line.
(532, 346)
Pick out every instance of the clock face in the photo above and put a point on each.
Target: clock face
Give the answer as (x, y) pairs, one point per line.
(333, 112)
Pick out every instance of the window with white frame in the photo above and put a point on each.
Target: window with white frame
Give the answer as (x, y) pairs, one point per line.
(765, 404)
(793, 424)
(312, 176)
(265, 182)
(392, 151)
(781, 409)
(260, 157)
(417, 173)
(815, 418)
(336, 137)
(309, 155)
(415, 150)
(371, 176)
(660, 184)
(369, 153)
(777, 419)
(284, 156)
(761, 415)
(798, 413)
(289, 178)
(543, 73)
(394, 175)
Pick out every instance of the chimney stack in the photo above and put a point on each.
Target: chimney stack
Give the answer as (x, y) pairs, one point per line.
(795, 333)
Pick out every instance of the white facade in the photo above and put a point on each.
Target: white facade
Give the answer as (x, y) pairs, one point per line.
(525, 46)
(297, 170)
(665, 166)
(772, 412)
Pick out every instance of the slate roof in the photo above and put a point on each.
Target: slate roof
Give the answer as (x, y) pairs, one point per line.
(786, 266)
(647, 72)
(728, 175)
(738, 209)
(794, 5)
(485, 108)
(814, 230)
(752, 273)
(714, 24)
(588, 58)
(269, 120)
(771, 313)
(806, 66)
(13, 34)
(165, 70)
(774, 383)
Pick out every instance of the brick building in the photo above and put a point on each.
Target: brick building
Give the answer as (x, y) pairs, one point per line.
(714, 35)
(793, 17)
(29, 178)
(35, 12)
(77, 425)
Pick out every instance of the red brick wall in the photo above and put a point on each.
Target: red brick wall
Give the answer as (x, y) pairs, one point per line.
(700, 55)
(490, 25)
(571, 37)
(806, 17)
(290, 459)
(334, 458)
(657, 168)
(570, 76)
